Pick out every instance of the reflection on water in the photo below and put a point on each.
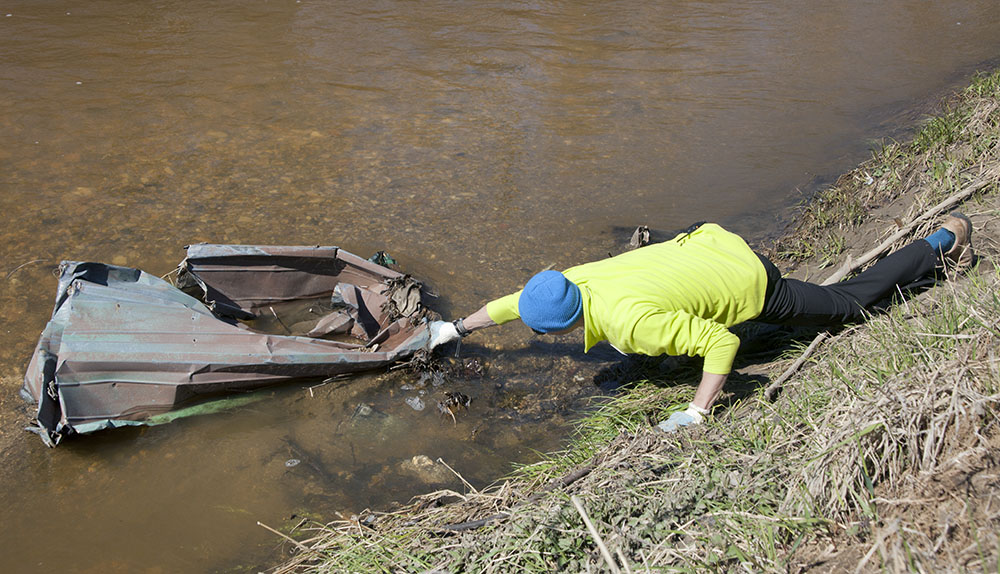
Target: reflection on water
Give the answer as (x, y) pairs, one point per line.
(475, 143)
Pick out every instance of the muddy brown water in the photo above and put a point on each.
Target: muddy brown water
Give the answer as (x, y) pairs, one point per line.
(475, 142)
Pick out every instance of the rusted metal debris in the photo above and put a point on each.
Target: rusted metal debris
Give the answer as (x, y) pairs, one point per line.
(123, 346)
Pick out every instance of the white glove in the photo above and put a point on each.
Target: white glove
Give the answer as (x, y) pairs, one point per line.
(692, 416)
(442, 332)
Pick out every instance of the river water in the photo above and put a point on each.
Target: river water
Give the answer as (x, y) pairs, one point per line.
(476, 142)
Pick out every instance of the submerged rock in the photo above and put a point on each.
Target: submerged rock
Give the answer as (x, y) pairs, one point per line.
(426, 470)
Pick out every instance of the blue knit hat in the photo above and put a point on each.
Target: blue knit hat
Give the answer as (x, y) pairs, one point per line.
(550, 302)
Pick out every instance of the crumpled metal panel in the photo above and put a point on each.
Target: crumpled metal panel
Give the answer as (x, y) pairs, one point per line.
(123, 345)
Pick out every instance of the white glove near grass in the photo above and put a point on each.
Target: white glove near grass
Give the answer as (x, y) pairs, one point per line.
(442, 332)
(692, 416)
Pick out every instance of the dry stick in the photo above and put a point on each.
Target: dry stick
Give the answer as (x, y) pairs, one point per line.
(280, 322)
(474, 524)
(566, 480)
(951, 201)
(624, 562)
(774, 387)
(298, 544)
(853, 264)
(460, 477)
(15, 270)
(593, 532)
(563, 482)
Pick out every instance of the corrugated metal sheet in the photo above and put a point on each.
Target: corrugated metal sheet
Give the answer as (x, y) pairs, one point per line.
(123, 345)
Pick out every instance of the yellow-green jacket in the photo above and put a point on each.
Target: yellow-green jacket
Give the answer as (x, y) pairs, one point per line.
(678, 297)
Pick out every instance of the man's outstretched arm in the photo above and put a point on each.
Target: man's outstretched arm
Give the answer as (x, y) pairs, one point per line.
(478, 320)
(443, 332)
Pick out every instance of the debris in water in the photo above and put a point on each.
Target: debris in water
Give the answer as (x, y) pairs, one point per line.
(123, 346)
(436, 379)
(362, 410)
(640, 237)
(453, 402)
(292, 462)
(415, 403)
(382, 258)
(471, 367)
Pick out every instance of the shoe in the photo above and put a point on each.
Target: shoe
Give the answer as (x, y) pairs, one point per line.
(961, 252)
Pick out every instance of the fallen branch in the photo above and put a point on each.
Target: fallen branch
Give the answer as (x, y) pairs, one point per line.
(851, 264)
(991, 175)
(774, 387)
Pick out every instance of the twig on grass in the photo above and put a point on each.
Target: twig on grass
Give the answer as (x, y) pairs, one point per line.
(474, 524)
(563, 482)
(460, 477)
(593, 532)
(774, 387)
(297, 544)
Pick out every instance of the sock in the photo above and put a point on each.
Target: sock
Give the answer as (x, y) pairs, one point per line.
(941, 240)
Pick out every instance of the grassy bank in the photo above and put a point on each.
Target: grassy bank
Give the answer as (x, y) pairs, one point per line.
(882, 452)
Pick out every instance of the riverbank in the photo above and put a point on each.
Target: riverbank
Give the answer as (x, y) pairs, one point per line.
(881, 452)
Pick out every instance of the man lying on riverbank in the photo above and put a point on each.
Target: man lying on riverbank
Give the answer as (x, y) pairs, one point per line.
(681, 296)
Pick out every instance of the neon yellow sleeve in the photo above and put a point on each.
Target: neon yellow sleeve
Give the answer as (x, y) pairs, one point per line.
(680, 333)
(504, 309)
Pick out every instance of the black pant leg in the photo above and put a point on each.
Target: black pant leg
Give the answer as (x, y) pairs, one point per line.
(794, 302)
